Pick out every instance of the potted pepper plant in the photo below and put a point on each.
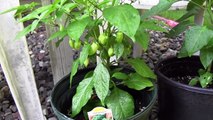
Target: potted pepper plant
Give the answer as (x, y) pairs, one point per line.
(186, 82)
(100, 29)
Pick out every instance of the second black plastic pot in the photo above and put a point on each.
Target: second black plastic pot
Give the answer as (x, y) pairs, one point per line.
(179, 101)
(61, 98)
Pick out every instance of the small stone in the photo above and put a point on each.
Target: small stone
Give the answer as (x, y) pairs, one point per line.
(30, 52)
(16, 115)
(9, 117)
(41, 56)
(32, 56)
(52, 118)
(5, 106)
(6, 90)
(45, 112)
(41, 64)
(41, 36)
(13, 108)
(42, 51)
(41, 89)
(7, 112)
(6, 102)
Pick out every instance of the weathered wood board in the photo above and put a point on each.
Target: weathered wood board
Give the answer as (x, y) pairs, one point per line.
(16, 64)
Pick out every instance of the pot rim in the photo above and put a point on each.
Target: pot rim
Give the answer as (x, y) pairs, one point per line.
(177, 84)
(152, 102)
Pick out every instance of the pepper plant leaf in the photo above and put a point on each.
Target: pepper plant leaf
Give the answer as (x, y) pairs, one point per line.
(118, 50)
(75, 29)
(194, 4)
(120, 76)
(142, 37)
(141, 68)
(194, 81)
(206, 56)
(151, 25)
(196, 38)
(24, 32)
(84, 53)
(121, 103)
(82, 96)
(101, 80)
(74, 70)
(178, 29)
(138, 82)
(124, 17)
(163, 5)
(205, 79)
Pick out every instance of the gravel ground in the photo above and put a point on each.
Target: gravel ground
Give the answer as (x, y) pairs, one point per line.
(160, 48)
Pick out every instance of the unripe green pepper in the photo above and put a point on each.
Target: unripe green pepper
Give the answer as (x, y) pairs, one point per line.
(94, 48)
(119, 37)
(102, 39)
(77, 45)
(110, 52)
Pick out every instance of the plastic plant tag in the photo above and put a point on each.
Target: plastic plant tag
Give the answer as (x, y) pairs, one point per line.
(100, 113)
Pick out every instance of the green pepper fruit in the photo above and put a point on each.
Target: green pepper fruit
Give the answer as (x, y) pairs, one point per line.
(102, 39)
(110, 52)
(94, 48)
(77, 45)
(119, 37)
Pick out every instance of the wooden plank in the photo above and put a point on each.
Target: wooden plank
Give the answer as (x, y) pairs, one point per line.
(15, 62)
(61, 57)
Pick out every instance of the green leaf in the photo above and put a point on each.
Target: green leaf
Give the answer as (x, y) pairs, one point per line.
(194, 81)
(195, 4)
(58, 34)
(178, 29)
(183, 52)
(189, 14)
(121, 103)
(101, 80)
(35, 14)
(125, 17)
(138, 82)
(142, 37)
(141, 68)
(163, 5)
(120, 76)
(21, 8)
(152, 25)
(24, 32)
(196, 38)
(74, 70)
(84, 53)
(206, 79)
(206, 56)
(82, 96)
(34, 25)
(75, 29)
(118, 50)
(69, 7)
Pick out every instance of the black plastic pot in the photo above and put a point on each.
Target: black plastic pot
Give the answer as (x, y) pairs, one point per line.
(61, 98)
(179, 101)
